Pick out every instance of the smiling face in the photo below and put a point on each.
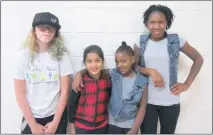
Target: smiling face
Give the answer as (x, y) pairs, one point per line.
(157, 25)
(94, 64)
(124, 63)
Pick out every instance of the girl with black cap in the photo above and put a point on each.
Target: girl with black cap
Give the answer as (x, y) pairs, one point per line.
(42, 78)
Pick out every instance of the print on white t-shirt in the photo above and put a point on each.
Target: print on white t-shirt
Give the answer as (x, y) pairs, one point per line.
(42, 80)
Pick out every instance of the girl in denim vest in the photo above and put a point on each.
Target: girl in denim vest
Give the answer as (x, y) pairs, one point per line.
(128, 99)
(158, 54)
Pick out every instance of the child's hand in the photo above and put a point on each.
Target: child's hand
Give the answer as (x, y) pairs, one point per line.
(179, 87)
(132, 132)
(157, 78)
(77, 82)
(129, 132)
(72, 128)
(51, 128)
(38, 129)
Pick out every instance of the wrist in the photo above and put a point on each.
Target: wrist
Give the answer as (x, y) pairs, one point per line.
(56, 122)
(134, 131)
(187, 83)
(73, 125)
(151, 71)
(32, 124)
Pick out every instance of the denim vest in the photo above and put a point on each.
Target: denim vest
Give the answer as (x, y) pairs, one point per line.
(125, 109)
(173, 50)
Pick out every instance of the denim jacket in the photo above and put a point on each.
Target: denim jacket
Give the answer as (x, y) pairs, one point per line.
(173, 50)
(125, 109)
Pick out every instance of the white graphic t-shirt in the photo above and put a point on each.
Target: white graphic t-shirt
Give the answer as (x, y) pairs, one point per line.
(42, 80)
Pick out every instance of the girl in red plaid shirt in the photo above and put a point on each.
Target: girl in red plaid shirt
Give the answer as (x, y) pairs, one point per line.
(89, 107)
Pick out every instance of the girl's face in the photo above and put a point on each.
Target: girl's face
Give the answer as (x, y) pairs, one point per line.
(124, 63)
(94, 64)
(157, 24)
(45, 33)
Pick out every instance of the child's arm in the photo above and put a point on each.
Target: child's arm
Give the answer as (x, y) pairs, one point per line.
(197, 59)
(141, 112)
(154, 74)
(73, 104)
(20, 91)
(77, 81)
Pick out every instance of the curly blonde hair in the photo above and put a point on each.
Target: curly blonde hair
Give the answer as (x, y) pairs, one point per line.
(56, 48)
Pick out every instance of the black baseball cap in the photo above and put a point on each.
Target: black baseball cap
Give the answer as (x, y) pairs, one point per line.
(46, 18)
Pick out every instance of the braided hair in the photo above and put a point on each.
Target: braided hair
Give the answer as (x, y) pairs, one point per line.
(125, 48)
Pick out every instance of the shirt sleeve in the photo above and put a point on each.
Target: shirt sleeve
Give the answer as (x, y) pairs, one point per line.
(182, 41)
(65, 65)
(73, 104)
(19, 65)
(138, 42)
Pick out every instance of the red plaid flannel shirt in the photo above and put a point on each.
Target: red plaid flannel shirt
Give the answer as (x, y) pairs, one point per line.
(93, 102)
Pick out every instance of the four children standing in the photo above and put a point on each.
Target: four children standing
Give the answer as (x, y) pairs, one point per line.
(142, 88)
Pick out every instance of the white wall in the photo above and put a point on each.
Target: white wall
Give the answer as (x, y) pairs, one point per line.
(107, 23)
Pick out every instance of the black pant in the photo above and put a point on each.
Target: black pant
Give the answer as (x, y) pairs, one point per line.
(62, 127)
(117, 130)
(168, 116)
(102, 130)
